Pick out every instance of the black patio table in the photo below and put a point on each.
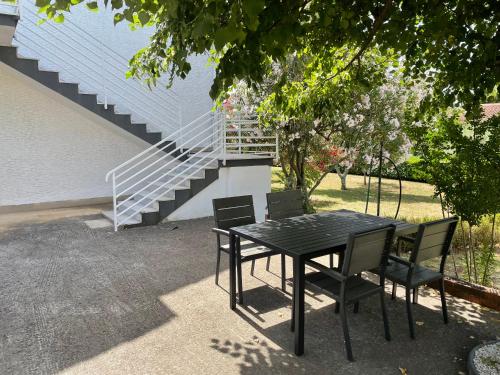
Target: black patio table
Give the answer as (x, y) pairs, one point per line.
(304, 238)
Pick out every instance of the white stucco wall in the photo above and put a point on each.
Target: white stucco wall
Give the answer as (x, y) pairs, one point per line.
(57, 47)
(52, 149)
(233, 181)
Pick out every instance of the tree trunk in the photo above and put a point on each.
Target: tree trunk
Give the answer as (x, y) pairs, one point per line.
(343, 185)
(316, 184)
(343, 177)
(364, 178)
(442, 204)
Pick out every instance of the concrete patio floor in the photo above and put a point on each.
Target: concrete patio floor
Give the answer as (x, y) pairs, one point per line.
(76, 300)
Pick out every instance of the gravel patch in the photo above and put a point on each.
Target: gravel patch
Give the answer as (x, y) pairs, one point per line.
(487, 359)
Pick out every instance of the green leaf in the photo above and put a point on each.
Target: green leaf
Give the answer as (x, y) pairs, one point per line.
(118, 17)
(59, 18)
(226, 35)
(144, 18)
(116, 4)
(42, 3)
(129, 15)
(171, 7)
(203, 26)
(252, 9)
(93, 6)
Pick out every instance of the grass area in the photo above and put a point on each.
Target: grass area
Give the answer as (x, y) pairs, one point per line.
(417, 205)
(417, 202)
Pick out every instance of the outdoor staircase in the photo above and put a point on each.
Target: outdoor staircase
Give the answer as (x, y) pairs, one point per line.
(181, 161)
(171, 196)
(170, 191)
(153, 184)
(180, 179)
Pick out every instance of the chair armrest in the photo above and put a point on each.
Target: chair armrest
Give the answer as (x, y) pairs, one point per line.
(399, 260)
(326, 270)
(220, 231)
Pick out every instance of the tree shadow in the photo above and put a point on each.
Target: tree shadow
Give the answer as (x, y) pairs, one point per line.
(70, 293)
(439, 348)
(258, 356)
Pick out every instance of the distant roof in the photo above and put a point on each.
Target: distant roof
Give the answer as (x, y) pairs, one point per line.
(490, 109)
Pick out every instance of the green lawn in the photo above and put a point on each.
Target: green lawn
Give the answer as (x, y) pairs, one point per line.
(417, 202)
(417, 205)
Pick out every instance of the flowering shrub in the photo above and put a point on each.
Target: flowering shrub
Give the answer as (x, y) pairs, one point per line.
(328, 124)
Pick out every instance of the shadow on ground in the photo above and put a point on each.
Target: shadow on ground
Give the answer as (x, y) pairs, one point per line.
(438, 349)
(85, 301)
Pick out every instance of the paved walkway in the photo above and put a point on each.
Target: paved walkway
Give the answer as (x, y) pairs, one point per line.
(77, 300)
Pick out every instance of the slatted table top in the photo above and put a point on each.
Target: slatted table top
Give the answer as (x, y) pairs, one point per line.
(313, 235)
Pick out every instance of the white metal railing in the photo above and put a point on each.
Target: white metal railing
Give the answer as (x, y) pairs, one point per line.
(139, 182)
(82, 58)
(9, 7)
(245, 136)
(142, 180)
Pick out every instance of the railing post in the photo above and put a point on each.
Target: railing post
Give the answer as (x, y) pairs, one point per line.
(114, 203)
(239, 137)
(224, 134)
(276, 156)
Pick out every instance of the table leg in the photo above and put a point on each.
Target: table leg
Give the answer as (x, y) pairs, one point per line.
(238, 271)
(232, 271)
(298, 290)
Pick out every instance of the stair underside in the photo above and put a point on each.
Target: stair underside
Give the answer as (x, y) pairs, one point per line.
(29, 67)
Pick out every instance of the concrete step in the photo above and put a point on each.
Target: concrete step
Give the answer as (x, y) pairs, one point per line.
(132, 221)
(169, 191)
(170, 196)
(210, 164)
(183, 170)
(149, 208)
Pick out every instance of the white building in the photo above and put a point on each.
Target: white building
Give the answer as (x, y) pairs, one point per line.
(68, 116)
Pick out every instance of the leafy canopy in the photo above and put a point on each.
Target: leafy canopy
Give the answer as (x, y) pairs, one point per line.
(454, 44)
(463, 160)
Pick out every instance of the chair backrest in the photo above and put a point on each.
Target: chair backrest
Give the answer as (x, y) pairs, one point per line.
(367, 250)
(284, 204)
(433, 239)
(233, 211)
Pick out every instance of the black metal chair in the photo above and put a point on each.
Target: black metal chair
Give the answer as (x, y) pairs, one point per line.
(284, 204)
(232, 212)
(365, 251)
(281, 205)
(433, 240)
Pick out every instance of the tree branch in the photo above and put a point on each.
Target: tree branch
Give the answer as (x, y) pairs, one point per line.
(376, 26)
(316, 184)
